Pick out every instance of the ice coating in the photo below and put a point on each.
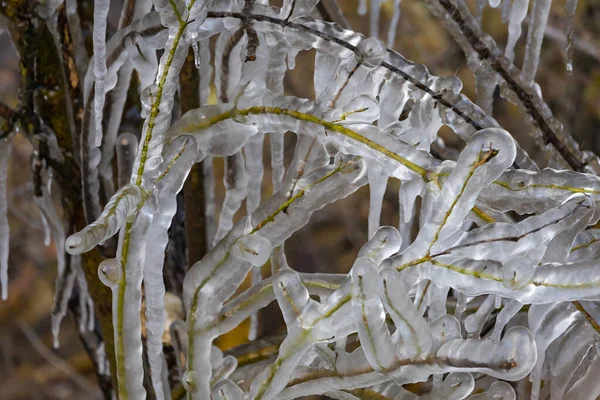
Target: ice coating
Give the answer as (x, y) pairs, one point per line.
(376, 116)
(412, 327)
(371, 51)
(369, 315)
(512, 358)
(109, 272)
(123, 204)
(254, 249)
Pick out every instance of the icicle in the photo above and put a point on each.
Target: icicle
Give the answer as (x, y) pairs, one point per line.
(47, 238)
(506, 7)
(99, 39)
(377, 186)
(504, 316)
(127, 144)
(236, 182)
(535, 35)
(494, 3)
(277, 160)
(374, 18)
(410, 325)
(5, 150)
(517, 15)
(253, 153)
(209, 195)
(479, 10)
(197, 62)
(254, 322)
(474, 322)
(570, 9)
(391, 37)
(362, 7)
(65, 278)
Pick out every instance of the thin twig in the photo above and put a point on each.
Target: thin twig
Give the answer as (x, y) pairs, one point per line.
(53, 359)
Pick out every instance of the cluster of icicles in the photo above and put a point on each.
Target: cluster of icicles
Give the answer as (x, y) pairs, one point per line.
(496, 286)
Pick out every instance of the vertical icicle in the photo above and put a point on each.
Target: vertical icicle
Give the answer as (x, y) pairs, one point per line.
(99, 40)
(127, 144)
(535, 35)
(504, 316)
(391, 37)
(5, 150)
(377, 186)
(362, 7)
(517, 15)
(506, 6)
(253, 152)
(570, 8)
(65, 278)
(236, 182)
(374, 18)
(209, 196)
(277, 167)
(474, 322)
(479, 10)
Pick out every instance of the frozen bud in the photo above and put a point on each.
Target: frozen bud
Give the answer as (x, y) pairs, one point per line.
(360, 110)
(254, 249)
(189, 381)
(385, 242)
(457, 385)
(446, 84)
(147, 98)
(517, 273)
(227, 390)
(109, 272)
(291, 294)
(75, 244)
(370, 52)
(498, 391)
(444, 329)
(519, 181)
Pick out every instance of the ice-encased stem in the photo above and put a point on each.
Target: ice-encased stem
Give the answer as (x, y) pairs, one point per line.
(127, 300)
(178, 162)
(123, 204)
(5, 150)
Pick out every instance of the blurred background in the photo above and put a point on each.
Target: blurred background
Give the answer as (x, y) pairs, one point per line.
(31, 369)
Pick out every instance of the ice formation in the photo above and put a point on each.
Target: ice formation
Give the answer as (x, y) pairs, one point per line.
(494, 275)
